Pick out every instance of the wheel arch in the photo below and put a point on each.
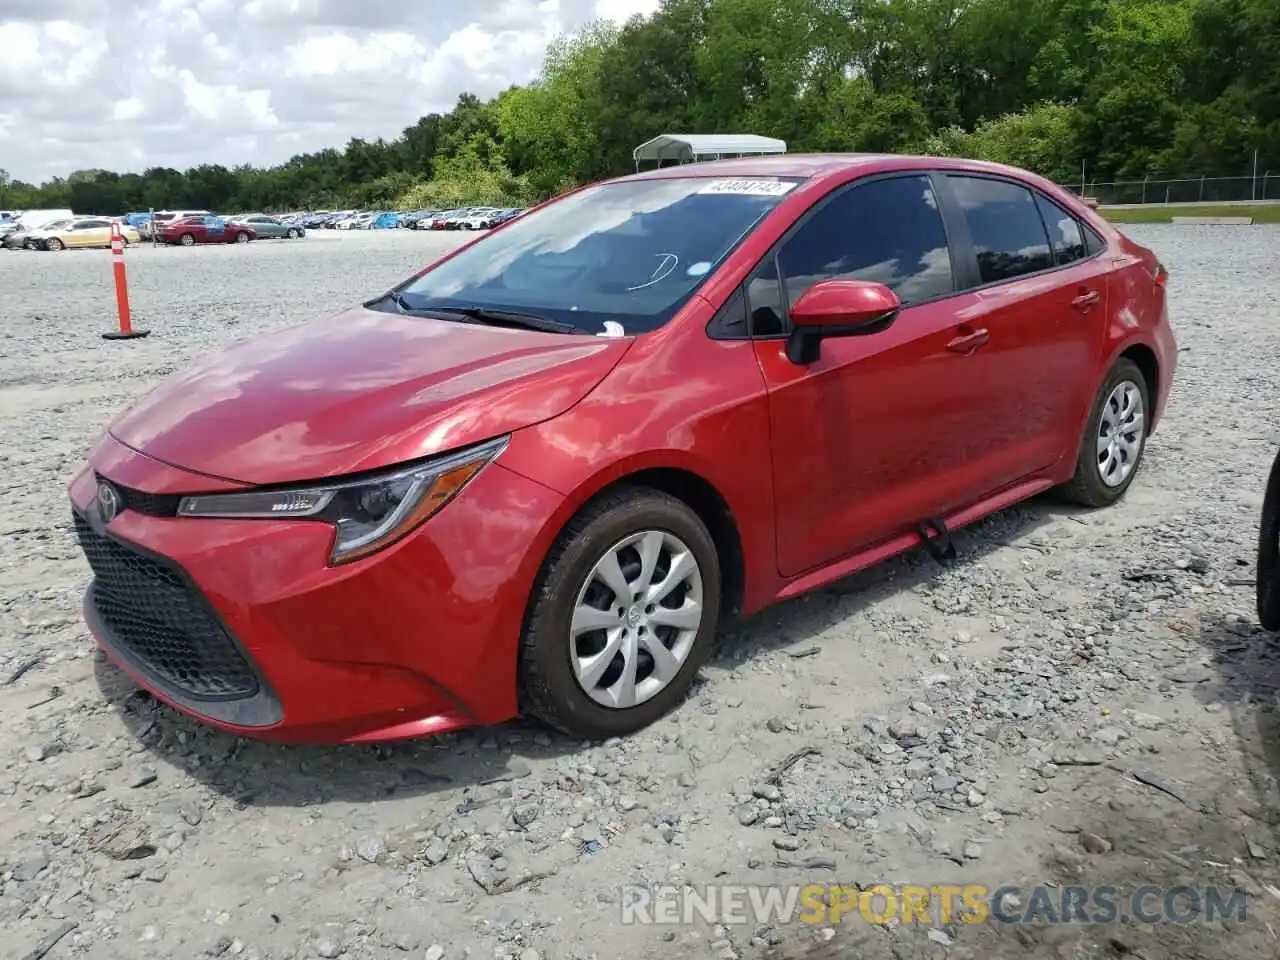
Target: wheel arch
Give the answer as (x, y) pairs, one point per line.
(687, 484)
(1146, 360)
(1143, 355)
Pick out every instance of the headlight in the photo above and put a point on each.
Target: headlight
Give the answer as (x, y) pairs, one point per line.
(368, 514)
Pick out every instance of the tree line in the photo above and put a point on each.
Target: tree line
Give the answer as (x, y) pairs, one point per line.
(1126, 88)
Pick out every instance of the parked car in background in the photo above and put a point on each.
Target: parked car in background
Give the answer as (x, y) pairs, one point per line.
(22, 237)
(499, 217)
(385, 221)
(434, 220)
(522, 492)
(1269, 553)
(85, 232)
(149, 229)
(410, 219)
(478, 218)
(190, 231)
(359, 221)
(271, 228)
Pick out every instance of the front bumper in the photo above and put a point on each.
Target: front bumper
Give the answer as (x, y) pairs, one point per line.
(243, 625)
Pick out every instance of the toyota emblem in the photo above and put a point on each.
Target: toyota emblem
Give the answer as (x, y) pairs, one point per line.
(108, 501)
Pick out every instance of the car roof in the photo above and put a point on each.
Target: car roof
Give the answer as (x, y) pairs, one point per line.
(812, 165)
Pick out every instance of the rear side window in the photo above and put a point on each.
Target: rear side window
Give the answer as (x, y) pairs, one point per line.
(1065, 233)
(1008, 234)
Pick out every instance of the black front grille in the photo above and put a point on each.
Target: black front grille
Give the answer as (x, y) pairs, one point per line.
(159, 619)
(152, 504)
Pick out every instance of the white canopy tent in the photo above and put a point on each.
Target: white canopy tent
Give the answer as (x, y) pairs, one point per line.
(691, 147)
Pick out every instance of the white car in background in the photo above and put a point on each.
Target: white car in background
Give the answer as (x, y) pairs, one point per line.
(477, 218)
(360, 221)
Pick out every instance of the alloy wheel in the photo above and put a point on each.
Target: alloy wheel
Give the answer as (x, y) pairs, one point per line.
(1121, 430)
(636, 618)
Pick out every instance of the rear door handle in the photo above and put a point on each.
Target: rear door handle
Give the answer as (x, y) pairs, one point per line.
(1086, 300)
(969, 342)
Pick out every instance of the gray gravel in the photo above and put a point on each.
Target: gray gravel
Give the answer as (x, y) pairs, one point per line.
(1084, 697)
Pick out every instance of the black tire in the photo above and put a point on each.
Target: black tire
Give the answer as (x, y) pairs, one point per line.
(292, 234)
(53, 244)
(242, 238)
(187, 240)
(549, 690)
(1087, 488)
(1269, 553)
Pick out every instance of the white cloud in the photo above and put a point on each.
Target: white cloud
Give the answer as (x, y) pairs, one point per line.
(130, 84)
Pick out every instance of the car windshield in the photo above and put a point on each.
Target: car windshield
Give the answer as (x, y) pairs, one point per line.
(627, 254)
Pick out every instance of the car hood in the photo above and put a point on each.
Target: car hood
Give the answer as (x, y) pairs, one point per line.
(362, 390)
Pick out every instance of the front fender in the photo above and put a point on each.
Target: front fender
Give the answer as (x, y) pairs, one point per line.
(648, 415)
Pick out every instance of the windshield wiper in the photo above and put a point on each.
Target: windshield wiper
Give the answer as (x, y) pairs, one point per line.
(484, 315)
(403, 305)
(508, 318)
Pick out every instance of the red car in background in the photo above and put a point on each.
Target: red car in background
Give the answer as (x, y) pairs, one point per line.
(538, 476)
(192, 230)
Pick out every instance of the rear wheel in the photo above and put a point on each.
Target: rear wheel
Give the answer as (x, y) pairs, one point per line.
(623, 616)
(187, 240)
(1115, 439)
(292, 234)
(1269, 553)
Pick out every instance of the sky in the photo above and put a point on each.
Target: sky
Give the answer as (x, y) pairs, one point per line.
(129, 84)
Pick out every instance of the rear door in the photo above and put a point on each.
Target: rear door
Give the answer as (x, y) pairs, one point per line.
(215, 229)
(1041, 302)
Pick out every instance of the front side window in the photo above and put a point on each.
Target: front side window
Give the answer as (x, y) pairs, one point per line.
(889, 231)
(629, 253)
(1008, 235)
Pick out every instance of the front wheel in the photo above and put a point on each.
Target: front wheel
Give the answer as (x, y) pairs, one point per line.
(1115, 439)
(242, 238)
(623, 616)
(1269, 553)
(53, 243)
(292, 234)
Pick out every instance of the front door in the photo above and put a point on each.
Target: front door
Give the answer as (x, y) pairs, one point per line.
(876, 435)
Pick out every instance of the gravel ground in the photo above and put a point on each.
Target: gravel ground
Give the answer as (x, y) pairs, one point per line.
(992, 722)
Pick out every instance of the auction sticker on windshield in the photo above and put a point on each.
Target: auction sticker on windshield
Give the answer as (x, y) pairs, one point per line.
(749, 188)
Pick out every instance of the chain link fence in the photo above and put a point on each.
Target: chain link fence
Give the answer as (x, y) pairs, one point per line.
(1265, 186)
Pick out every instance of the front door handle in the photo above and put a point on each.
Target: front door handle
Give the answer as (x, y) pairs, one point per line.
(1086, 300)
(969, 342)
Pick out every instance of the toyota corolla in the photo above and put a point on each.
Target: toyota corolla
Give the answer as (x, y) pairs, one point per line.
(535, 478)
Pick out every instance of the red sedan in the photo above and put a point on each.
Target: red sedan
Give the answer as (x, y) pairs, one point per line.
(192, 230)
(538, 476)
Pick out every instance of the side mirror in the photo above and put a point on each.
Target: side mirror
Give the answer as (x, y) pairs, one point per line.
(1091, 202)
(838, 308)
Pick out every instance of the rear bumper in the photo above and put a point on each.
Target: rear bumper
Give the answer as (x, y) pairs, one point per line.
(1166, 348)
